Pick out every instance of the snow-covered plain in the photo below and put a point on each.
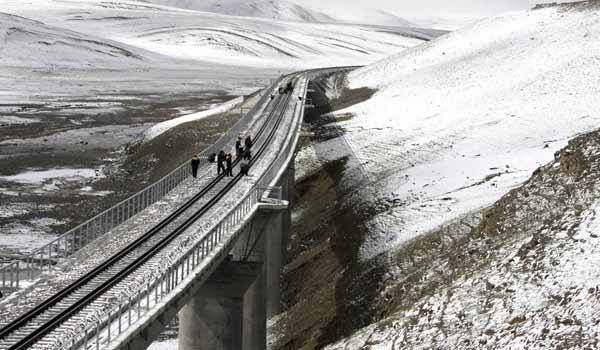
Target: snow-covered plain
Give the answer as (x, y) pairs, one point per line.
(458, 122)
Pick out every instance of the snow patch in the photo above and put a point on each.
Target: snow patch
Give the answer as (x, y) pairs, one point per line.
(14, 120)
(161, 128)
(170, 344)
(38, 177)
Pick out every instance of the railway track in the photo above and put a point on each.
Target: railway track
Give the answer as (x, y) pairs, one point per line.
(67, 304)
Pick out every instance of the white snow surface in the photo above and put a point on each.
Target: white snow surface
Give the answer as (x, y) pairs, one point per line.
(14, 120)
(295, 10)
(160, 128)
(134, 33)
(279, 9)
(41, 176)
(170, 344)
(457, 122)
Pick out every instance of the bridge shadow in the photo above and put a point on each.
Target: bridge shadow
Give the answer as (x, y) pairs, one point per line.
(342, 225)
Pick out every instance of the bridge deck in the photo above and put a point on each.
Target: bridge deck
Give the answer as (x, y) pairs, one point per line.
(70, 269)
(165, 259)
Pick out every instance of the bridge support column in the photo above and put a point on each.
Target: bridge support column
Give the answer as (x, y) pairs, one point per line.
(263, 299)
(231, 309)
(255, 316)
(274, 262)
(213, 319)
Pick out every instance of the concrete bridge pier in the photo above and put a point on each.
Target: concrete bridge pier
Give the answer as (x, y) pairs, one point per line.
(213, 318)
(231, 309)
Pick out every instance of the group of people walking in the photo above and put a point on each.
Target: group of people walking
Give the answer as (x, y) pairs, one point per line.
(225, 160)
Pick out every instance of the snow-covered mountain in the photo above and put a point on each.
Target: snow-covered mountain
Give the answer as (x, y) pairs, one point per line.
(273, 9)
(208, 37)
(29, 43)
(293, 10)
(459, 253)
(160, 42)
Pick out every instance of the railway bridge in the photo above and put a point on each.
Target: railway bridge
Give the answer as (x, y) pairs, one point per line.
(209, 250)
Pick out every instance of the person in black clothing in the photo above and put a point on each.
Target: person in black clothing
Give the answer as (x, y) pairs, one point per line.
(195, 164)
(244, 168)
(220, 160)
(238, 146)
(229, 161)
(247, 154)
(212, 157)
(248, 142)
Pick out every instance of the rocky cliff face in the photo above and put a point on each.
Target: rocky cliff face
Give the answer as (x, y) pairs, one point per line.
(524, 273)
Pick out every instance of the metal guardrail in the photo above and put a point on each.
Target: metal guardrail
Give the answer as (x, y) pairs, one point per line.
(45, 257)
(130, 310)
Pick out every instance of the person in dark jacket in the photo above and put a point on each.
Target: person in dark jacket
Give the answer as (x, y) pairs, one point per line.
(244, 168)
(212, 157)
(195, 164)
(248, 142)
(247, 154)
(220, 160)
(238, 147)
(229, 161)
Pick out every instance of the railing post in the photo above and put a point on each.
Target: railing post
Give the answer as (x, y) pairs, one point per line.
(120, 314)
(109, 326)
(129, 310)
(29, 271)
(11, 274)
(169, 277)
(50, 258)
(139, 302)
(156, 291)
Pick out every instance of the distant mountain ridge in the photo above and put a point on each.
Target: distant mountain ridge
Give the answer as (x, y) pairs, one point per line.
(272, 9)
(287, 10)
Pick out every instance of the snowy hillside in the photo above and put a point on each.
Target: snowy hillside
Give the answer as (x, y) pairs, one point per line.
(465, 118)
(294, 10)
(219, 39)
(27, 43)
(280, 10)
(453, 126)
